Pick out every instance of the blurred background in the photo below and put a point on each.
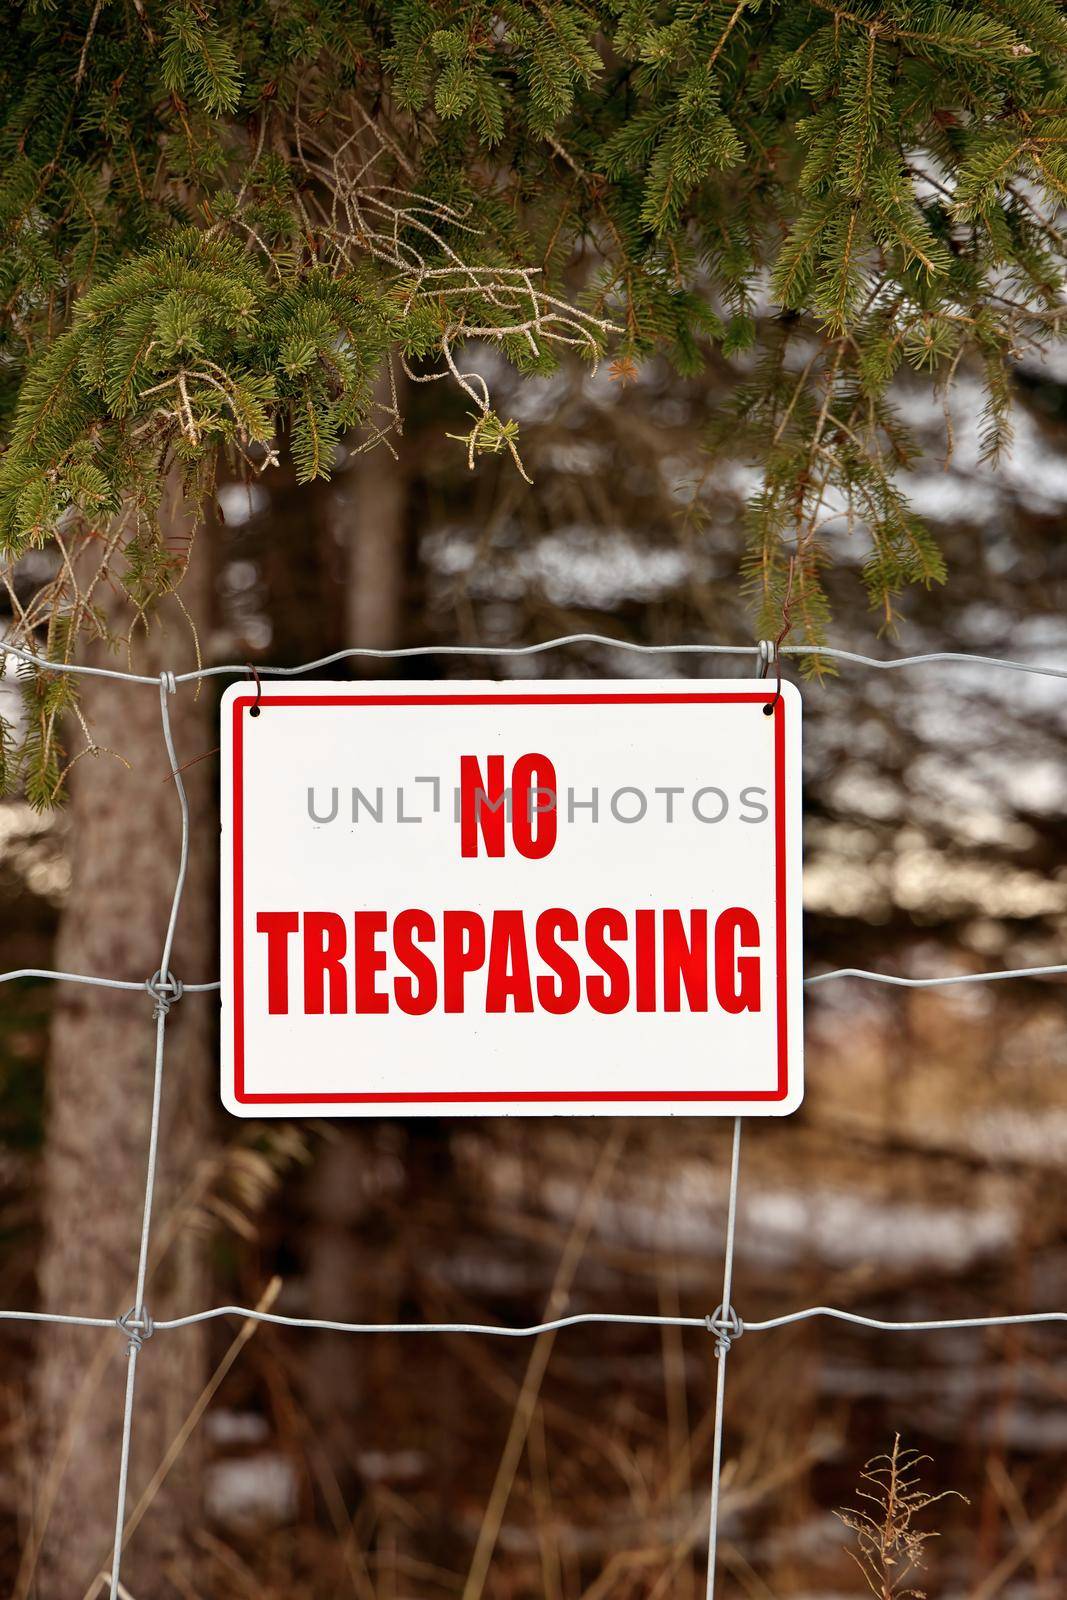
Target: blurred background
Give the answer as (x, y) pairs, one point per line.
(922, 1178)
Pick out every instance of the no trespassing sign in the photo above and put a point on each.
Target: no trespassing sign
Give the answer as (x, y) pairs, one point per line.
(511, 898)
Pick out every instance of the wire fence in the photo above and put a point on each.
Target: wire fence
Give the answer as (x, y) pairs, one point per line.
(164, 989)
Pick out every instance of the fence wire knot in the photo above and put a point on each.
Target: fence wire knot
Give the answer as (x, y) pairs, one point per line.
(768, 652)
(726, 1327)
(137, 1325)
(164, 991)
(168, 682)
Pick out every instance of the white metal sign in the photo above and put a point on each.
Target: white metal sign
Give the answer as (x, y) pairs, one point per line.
(511, 898)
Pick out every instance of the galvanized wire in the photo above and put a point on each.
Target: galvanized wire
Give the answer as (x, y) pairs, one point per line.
(98, 983)
(810, 982)
(715, 1323)
(724, 1324)
(940, 982)
(517, 652)
(137, 1324)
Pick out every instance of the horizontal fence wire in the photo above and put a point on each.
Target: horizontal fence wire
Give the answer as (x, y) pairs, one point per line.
(102, 983)
(724, 1324)
(131, 986)
(518, 651)
(619, 1319)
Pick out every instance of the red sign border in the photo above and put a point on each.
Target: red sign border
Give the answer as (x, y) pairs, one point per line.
(766, 697)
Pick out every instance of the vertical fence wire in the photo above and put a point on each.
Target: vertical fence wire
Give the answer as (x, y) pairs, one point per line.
(725, 1325)
(164, 989)
(136, 1321)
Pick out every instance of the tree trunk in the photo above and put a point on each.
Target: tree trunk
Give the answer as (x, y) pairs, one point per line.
(351, 1270)
(373, 505)
(124, 839)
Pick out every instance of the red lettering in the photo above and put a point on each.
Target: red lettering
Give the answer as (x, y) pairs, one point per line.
(551, 960)
(482, 803)
(463, 940)
(562, 992)
(645, 960)
(737, 977)
(600, 926)
(508, 975)
(324, 948)
(420, 997)
(685, 960)
(369, 962)
(484, 806)
(533, 806)
(277, 925)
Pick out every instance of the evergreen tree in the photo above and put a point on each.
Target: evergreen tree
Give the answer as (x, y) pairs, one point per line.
(219, 222)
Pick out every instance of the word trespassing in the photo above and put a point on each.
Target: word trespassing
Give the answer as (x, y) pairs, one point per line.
(417, 962)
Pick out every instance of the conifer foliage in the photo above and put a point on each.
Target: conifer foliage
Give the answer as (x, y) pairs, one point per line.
(218, 222)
